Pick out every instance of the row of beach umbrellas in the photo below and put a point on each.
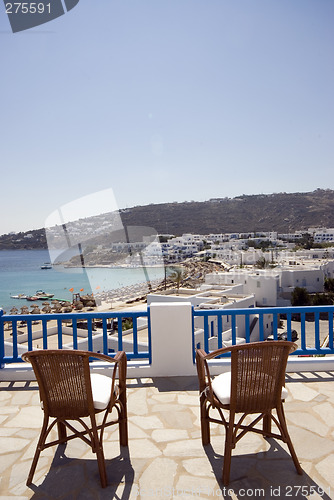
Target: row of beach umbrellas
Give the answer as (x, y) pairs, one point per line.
(56, 307)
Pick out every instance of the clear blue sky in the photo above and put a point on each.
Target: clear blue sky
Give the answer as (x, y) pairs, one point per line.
(165, 100)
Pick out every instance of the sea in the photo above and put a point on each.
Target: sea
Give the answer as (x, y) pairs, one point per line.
(21, 273)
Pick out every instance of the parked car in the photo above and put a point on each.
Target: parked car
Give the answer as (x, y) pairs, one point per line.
(284, 336)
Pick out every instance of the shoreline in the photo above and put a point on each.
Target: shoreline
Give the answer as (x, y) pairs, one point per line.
(193, 274)
(110, 266)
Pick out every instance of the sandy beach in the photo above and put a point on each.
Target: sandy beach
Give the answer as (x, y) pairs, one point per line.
(193, 274)
(135, 297)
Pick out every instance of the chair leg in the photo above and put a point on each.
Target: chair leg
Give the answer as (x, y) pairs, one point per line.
(228, 452)
(39, 448)
(267, 424)
(61, 431)
(287, 439)
(101, 465)
(97, 448)
(205, 424)
(123, 432)
(123, 421)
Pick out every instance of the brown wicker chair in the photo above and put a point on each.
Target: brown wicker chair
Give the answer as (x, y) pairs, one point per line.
(69, 392)
(255, 385)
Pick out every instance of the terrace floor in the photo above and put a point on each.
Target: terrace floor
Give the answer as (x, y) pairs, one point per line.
(165, 458)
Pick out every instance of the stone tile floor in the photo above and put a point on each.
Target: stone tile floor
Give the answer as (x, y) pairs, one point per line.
(165, 458)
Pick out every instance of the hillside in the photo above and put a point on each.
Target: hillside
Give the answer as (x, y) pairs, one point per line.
(281, 212)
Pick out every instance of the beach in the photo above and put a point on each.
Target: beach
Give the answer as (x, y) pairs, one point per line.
(126, 297)
(192, 275)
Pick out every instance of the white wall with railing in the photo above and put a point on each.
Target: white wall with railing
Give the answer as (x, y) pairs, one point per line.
(172, 347)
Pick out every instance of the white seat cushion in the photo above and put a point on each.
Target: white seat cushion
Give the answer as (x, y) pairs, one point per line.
(101, 389)
(221, 386)
(285, 393)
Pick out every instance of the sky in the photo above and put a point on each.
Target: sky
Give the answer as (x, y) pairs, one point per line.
(165, 100)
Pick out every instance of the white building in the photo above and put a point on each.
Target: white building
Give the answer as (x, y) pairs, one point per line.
(302, 276)
(217, 298)
(264, 285)
(273, 287)
(324, 235)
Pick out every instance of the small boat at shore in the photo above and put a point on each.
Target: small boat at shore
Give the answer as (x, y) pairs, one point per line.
(40, 294)
(46, 265)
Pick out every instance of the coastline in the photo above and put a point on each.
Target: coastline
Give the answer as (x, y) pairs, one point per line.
(133, 296)
(21, 275)
(192, 275)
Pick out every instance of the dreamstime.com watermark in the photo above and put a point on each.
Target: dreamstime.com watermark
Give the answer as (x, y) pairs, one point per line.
(227, 492)
(88, 232)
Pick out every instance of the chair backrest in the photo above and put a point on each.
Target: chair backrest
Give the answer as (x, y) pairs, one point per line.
(63, 378)
(258, 374)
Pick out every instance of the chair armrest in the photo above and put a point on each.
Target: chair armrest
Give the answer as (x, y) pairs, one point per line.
(120, 362)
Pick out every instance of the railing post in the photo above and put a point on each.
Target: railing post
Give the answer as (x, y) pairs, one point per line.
(2, 340)
(171, 331)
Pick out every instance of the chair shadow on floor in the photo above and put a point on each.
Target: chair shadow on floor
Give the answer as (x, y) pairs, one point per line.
(77, 478)
(268, 474)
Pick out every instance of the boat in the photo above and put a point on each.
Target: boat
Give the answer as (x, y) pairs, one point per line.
(19, 296)
(46, 265)
(32, 297)
(40, 294)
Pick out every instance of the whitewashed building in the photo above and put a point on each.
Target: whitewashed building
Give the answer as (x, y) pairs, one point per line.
(324, 235)
(264, 285)
(274, 287)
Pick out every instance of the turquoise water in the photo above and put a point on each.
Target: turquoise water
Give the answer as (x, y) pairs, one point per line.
(20, 273)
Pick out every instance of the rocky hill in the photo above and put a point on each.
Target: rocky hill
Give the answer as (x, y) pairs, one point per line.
(281, 212)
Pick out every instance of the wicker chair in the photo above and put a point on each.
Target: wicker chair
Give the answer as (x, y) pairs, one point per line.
(69, 392)
(255, 385)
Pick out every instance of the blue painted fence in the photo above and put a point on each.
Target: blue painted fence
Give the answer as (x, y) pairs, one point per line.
(309, 318)
(16, 343)
(97, 335)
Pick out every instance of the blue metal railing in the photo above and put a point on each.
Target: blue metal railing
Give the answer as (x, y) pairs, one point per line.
(90, 331)
(215, 323)
(307, 317)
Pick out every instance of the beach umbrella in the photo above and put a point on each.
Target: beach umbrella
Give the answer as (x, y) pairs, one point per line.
(46, 309)
(56, 307)
(67, 309)
(14, 310)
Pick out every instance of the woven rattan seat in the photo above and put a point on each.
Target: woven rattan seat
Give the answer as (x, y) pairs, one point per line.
(69, 392)
(255, 386)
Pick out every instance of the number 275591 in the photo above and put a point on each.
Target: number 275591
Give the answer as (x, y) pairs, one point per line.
(28, 8)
